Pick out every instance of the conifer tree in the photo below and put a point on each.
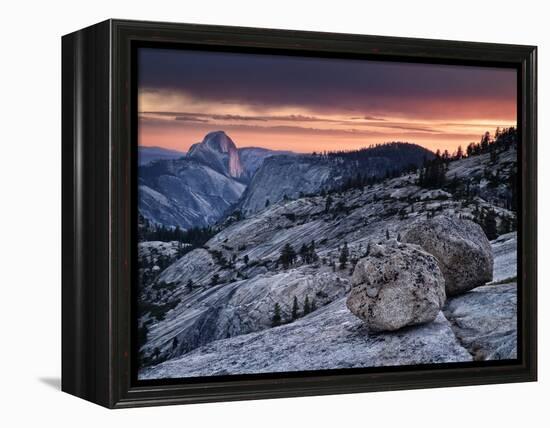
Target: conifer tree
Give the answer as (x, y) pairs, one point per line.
(287, 256)
(276, 320)
(304, 253)
(344, 254)
(307, 307)
(295, 308)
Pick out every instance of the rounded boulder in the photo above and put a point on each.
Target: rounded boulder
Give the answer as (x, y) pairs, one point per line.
(461, 248)
(396, 285)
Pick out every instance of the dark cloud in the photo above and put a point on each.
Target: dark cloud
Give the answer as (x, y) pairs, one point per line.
(367, 130)
(321, 84)
(237, 117)
(212, 118)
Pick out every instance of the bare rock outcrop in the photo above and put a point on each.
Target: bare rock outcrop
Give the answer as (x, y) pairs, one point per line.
(461, 248)
(396, 285)
(329, 338)
(485, 321)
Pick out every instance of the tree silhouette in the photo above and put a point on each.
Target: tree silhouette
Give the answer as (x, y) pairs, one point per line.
(287, 256)
(276, 320)
(344, 254)
(307, 307)
(295, 308)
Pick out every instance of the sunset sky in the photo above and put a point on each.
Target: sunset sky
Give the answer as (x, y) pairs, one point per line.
(313, 104)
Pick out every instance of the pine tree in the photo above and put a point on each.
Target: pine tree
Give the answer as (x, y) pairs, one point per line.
(246, 259)
(175, 343)
(312, 254)
(276, 320)
(267, 203)
(485, 141)
(287, 256)
(304, 253)
(344, 254)
(189, 285)
(307, 308)
(387, 234)
(295, 308)
(313, 305)
(493, 155)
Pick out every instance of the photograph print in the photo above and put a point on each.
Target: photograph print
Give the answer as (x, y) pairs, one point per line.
(299, 214)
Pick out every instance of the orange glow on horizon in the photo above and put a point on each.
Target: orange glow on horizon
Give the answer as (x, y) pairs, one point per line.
(176, 121)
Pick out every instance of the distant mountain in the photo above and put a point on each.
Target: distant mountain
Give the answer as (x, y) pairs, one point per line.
(253, 157)
(291, 175)
(215, 177)
(149, 154)
(219, 152)
(185, 193)
(198, 189)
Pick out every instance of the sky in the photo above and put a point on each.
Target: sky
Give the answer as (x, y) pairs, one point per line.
(316, 104)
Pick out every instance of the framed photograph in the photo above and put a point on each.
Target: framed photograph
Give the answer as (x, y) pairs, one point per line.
(252, 213)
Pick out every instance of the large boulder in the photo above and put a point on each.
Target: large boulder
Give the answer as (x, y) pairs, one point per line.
(396, 285)
(461, 248)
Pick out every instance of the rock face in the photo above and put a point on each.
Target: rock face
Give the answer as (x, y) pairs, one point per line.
(244, 306)
(485, 321)
(505, 256)
(293, 175)
(396, 285)
(252, 158)
(329, 338)
(185, 193)
(461, 248)
(286, 176)
(219, 152)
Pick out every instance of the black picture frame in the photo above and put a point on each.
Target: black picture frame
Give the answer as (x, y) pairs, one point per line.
(98, 212)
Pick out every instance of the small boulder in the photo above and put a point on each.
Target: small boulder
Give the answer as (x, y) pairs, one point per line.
(396, 285)
(461, 248)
